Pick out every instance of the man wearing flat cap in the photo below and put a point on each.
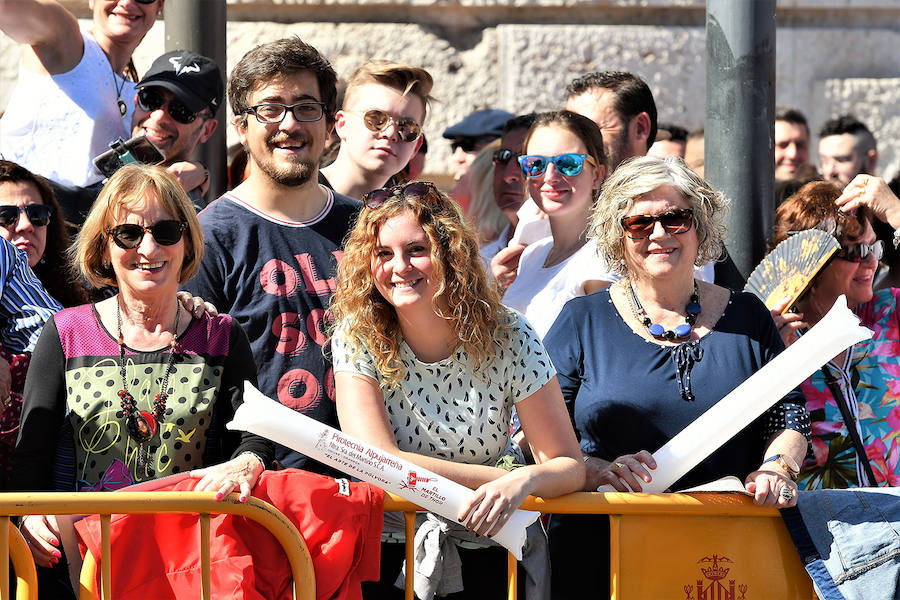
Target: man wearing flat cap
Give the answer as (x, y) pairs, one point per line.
(467, 137)
(175, 108)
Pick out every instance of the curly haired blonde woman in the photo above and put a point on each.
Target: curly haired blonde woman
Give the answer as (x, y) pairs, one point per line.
(428, 365)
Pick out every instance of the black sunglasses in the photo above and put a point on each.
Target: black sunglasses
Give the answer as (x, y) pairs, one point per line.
(502, 157)
(145, 1)
(638, 227)
(150, 99)
(856, 253)
(38, 214)
(130, 235)
(470, 144)
(422, 189)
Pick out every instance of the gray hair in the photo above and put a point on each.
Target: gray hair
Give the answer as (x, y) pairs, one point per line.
(639, 176)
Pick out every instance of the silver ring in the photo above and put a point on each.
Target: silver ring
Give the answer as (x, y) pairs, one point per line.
(786, 493)
(619, 465)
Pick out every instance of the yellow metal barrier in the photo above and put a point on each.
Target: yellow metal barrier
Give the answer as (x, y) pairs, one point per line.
(106, 504)
(682, 546)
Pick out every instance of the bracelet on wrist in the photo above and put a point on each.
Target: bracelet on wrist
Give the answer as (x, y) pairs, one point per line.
(787, 464)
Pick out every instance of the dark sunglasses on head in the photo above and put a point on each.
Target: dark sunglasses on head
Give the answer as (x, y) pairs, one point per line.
(274, 112)
(38, 214)
(856, 253)
(535, 165)
(378, 120)
(150, 99)
(638, 227)
(130, 235)
(421, 189)
(501, 157)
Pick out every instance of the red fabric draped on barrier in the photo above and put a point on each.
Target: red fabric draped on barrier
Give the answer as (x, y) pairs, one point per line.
(158, 556)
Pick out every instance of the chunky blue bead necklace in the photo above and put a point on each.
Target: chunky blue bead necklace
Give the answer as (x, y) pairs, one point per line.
(692, 311)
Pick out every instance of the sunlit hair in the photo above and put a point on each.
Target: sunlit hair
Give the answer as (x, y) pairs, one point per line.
(406, 79)
(484, 214)
(639, 176)
(580, 126)
(464, 297)
(133, 187)
(813, 207)
(53, 269)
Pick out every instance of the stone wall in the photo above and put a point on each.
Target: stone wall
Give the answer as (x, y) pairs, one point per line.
(833, 55)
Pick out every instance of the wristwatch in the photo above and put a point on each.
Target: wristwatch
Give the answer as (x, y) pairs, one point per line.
(786, 462)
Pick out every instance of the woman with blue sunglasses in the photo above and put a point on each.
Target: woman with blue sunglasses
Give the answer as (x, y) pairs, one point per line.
(564, 166)
(852, 400)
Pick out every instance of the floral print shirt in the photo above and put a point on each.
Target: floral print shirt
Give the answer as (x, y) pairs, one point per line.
(869, 381)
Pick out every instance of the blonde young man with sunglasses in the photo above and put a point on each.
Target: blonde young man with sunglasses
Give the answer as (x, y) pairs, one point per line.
(380, 126)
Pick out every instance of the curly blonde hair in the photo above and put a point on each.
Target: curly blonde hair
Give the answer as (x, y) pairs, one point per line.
(465, 296)
(639, 176)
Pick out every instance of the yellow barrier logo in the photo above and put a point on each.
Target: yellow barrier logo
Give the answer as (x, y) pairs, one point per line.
(714, 569)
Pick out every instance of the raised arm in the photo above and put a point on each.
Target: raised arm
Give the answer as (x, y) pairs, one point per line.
(49, 32)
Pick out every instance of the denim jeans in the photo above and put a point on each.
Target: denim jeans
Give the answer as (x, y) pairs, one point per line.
(849, 541)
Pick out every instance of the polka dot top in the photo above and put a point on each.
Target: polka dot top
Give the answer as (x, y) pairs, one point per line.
(449, 410)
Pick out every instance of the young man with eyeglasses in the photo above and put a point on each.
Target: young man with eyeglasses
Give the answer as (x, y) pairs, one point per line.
(380, 126)
(175, 107)
(272, 243)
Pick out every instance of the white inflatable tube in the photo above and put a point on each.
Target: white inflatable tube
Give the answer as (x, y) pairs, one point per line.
(269, 419)
(838, 330)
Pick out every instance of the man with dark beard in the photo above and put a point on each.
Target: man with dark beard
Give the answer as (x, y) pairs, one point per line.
(272, 244)
(622, 105)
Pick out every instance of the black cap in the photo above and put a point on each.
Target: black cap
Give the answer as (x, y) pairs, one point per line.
(194, 79)
(481, 123)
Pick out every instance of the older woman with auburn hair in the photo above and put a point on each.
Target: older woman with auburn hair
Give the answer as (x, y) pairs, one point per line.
(851, 399)
(134, 388)
(428, 365)
(642, 359)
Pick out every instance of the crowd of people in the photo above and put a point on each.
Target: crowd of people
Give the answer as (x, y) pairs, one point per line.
(562, 312)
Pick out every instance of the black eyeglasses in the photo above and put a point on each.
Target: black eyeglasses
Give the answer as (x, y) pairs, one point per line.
(422, 189)
(274, 112)
(856, 253)
(502, 157)
(38, 214)
(130, 235)
(150, 99)
(638, 227)
(378, 120)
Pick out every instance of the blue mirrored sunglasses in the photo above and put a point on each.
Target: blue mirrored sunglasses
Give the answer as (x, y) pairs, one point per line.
(569, 165)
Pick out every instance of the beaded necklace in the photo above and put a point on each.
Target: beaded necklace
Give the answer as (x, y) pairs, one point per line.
(142, 425)
(692, 311)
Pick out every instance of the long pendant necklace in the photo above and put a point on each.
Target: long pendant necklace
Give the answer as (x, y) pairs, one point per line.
(692, 311)
(143, 425)
(123, 108)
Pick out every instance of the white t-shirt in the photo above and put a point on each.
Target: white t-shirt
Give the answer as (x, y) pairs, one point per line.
(55, 125)
(446, 409)
(539, 293)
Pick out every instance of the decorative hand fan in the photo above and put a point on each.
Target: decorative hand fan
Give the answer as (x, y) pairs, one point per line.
(791, 266)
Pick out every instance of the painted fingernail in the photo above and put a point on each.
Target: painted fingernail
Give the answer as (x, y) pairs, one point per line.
(243, 498)
(54, 541)
(56, 554)
(219, 495)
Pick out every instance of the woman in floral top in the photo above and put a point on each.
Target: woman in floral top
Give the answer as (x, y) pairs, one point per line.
(867, 373)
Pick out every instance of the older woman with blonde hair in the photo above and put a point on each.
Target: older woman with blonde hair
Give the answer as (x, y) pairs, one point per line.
(134, 387)
(642, 359)
(428, 365)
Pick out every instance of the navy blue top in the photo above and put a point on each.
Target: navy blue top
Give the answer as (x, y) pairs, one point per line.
(624, 393)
